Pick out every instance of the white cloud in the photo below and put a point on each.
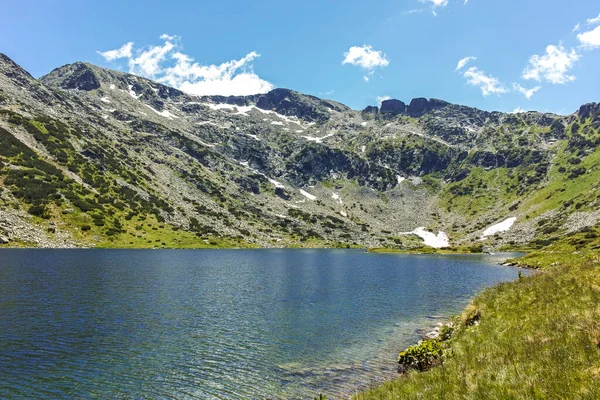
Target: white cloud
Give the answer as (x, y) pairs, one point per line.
(518, 110)
(487, 83)
(437, 3)
(464, 62)
(381, 99)
(167, 64)
(590, 39)
(576, 27)
(594, 21)
(164, 36)
(528, 93)
(417, 10)
(466, 1)
(147, 63)
(122, 52)
(553, 66)
(366, 78)
(365, 57)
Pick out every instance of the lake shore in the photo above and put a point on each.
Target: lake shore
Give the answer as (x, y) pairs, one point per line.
(533, 319)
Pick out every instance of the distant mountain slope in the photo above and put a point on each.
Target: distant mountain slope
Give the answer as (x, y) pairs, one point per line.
(90, 156)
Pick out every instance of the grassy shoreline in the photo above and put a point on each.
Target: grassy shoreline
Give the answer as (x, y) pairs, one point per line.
(538, 337)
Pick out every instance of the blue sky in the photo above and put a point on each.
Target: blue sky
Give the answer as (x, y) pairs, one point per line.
(405, 48)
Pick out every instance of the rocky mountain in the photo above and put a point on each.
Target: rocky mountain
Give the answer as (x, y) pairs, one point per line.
(95, 157)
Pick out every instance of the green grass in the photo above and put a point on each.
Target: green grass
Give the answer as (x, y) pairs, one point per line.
(538, 338)
(562, 189)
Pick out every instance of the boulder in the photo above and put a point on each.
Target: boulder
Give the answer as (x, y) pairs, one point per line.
(4, 240)
(283, 193)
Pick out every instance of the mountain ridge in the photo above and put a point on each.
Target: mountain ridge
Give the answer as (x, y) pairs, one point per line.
(275, 169)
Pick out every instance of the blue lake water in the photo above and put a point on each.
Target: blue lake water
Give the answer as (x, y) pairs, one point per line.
(226, 324)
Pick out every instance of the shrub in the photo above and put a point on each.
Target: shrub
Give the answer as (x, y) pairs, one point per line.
(421, 356)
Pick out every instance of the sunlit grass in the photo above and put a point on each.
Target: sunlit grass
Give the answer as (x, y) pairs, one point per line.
(538, 338)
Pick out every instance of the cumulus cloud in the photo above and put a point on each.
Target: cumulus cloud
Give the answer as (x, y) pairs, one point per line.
(148, 62)
(553, 66)
(365, 57)
(464, 61)
(381, 99)
(123, 51)
(167, 64)
(590, 39)
(487, 83)
(518, 110)
(528, 93)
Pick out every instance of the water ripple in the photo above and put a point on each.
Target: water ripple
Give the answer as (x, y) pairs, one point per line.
(218, 324)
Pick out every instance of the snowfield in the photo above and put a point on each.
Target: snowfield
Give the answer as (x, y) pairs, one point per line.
(503, 226)
(307, 195)
(429, 238)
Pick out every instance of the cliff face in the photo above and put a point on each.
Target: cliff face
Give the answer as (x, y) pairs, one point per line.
(93, 156)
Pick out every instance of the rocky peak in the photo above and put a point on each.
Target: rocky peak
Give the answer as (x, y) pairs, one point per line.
(78, 76)
(393, 106)
(291, 103)
(418, 106)
(373, 110)
(13, 71)
(587, 110)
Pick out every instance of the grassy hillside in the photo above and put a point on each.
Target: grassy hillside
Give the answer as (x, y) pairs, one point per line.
(537, 338)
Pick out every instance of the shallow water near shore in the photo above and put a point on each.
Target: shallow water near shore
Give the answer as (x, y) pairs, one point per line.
(228, 324)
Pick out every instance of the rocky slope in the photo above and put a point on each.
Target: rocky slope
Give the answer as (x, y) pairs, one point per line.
(90, 156)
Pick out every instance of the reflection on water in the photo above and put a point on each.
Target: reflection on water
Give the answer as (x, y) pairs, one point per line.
(232, 324)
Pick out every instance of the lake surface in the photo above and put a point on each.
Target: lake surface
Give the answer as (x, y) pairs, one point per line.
(227, 324)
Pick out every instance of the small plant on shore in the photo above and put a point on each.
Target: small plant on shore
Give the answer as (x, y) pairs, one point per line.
(421, 356)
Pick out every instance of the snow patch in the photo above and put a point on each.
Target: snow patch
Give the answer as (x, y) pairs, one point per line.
(273, 181)
(132, 93)
(243, 110)
(278, 123)
(318, 139)
(105, 99)
(336, 196)
(363, 123)
(429, 238)
(503, 226)
(163, 113)
(307, 195)
(210, 123)
(112, 86)
(400, 179)
(343, 213)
